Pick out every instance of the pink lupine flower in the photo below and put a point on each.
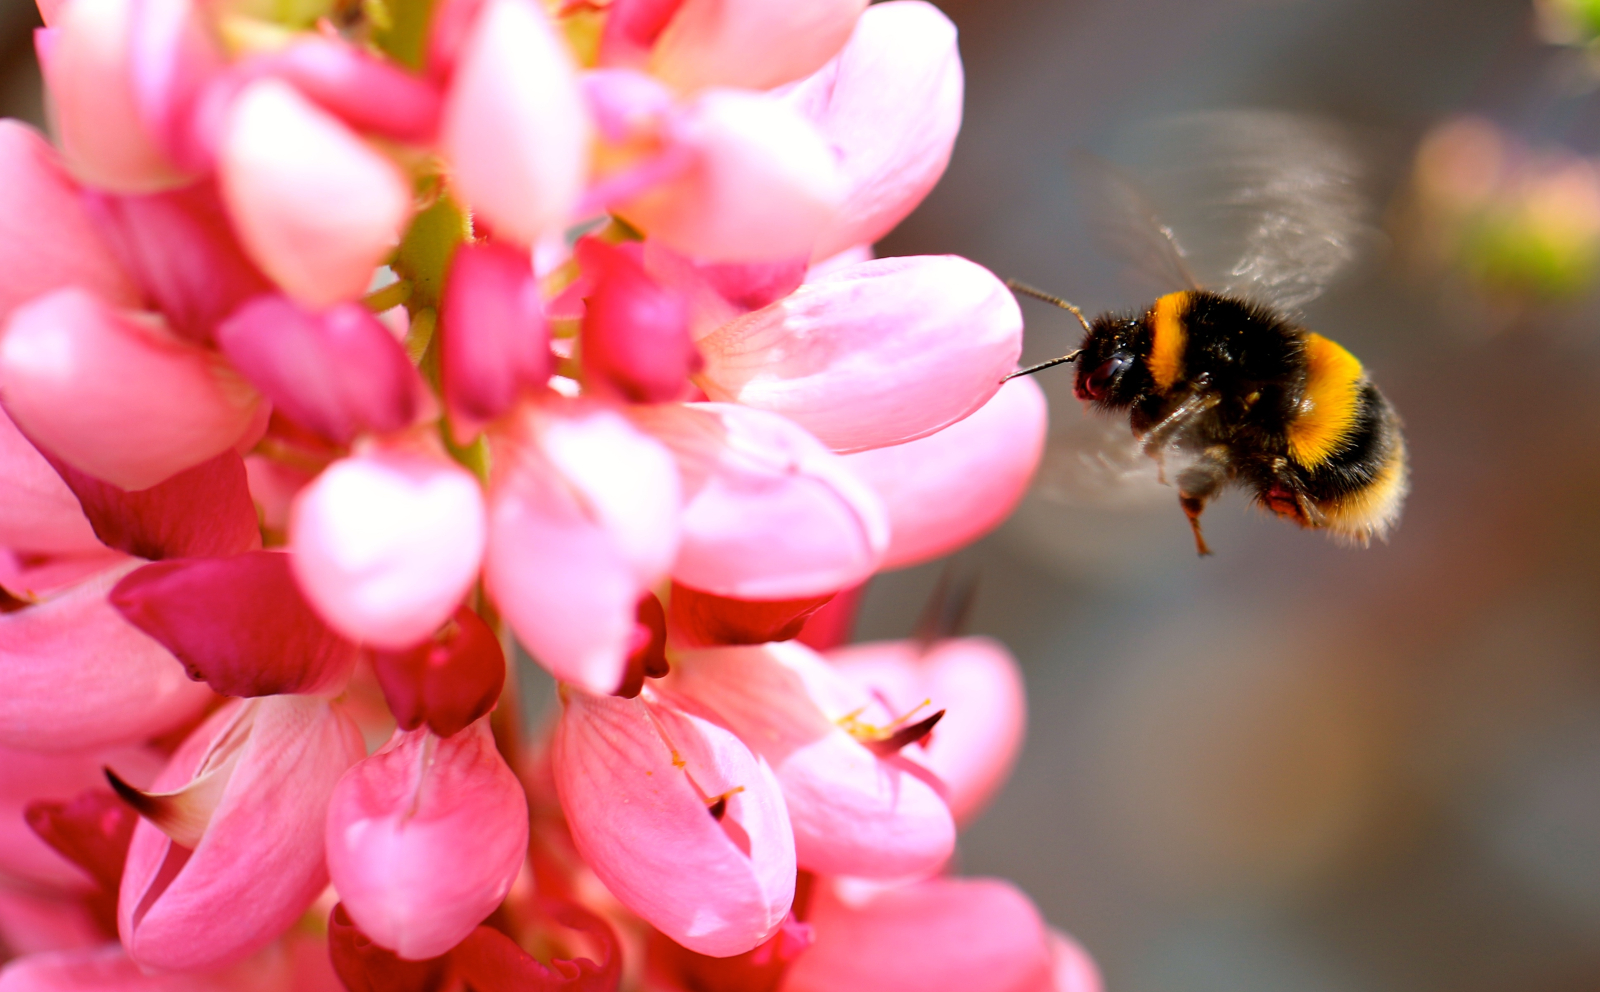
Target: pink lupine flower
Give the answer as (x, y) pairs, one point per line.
(977, 685)
(116, 395)
(755, 44)
(386, 544)
(496, 340)
(890, 105)
(94, 100)
(769, 514)
(938, 935)
(48, 239)
(316, 207)
(239, 624)
(230, 851)
(370, 94)
(514, 123)
(583, 521)
(857, 808)
(425, 838)
(338, 373)
(948, 489)
(879, 353)
(80, 676)
(678, 819)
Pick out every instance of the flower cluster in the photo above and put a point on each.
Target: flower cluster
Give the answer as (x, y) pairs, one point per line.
(342, 344)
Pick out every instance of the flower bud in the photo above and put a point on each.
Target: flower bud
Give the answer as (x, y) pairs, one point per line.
(496, 341)
(447, 682)
(636, 340)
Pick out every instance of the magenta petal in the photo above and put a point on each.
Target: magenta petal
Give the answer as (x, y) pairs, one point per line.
(880, 353)
(79, 676)
(339, 373)
(975, 682)
(950, 488)
(447, 682)
(115, 395)
(632, 27)
(890, 104)
(939, 935)
(853, 812)
(259, 863)
(386, 544)
(47, 779)
(425, 838)
(753, 44)
(181, 248)
(636, 342)
(238, 624)
(369, 93)
(203, 512)
(584, 520)
(496, 341)
(638, 784)
(515, 127)
(771, 514)
(38, 513)
(47, 238)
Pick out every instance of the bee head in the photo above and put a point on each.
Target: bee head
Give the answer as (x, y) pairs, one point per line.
(1110, 374)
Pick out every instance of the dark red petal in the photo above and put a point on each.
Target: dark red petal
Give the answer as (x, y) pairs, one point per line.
(496, 341)
(649, 658)
(700, 619)
(447, 682)
(492, 962)
(636, 339)
(365, 967)
(238, 624)
(758, 970)
(92, 830)
(834, 623)
(202, 512)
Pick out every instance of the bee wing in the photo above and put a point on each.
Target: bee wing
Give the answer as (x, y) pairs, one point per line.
(1276, 201)
(1125, 223)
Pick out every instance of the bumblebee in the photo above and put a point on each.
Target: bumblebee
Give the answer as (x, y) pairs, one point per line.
(1222, 386)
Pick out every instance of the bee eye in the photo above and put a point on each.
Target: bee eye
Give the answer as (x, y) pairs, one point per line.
(1097, 384)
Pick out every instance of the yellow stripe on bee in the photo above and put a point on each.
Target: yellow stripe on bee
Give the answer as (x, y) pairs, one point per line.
(1370, 511)
(1168, 339)
(1330, 404)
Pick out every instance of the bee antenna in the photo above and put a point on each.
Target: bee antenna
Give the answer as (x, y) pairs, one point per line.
(1052, 363)
(1026, 290)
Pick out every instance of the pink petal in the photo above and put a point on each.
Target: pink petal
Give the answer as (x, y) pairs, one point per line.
(238, 624)
(95, 105)
(32, 577)
(48, 239)
(771, 514)
(338, 373)
(201, 512)
(98, 969)
(890, 104)
(79, 676)
(761, 187)
(1074, 970)
(114, 395)
(259, 863)
(425, 838)
(754, 44)
(368, 93)
(363, 966)
(977, 684)
(174, 55)
(50, 11)
(496, 342)
(636, 782)
(632, 27)
(853, 812)
(316, 207)
(514, 125)
(492, 962)
(584, 518)
(386, 544)
(38, 513)
(447, 682)
(939, 935)
(36, 923)
(880, 353)
(39, 778)
(182, 250)
(952, 487)
(636, 342)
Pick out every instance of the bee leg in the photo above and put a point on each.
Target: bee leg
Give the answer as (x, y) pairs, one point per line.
(1197, 485)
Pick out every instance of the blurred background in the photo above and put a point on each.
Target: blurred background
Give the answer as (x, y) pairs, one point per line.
(1294, 766)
